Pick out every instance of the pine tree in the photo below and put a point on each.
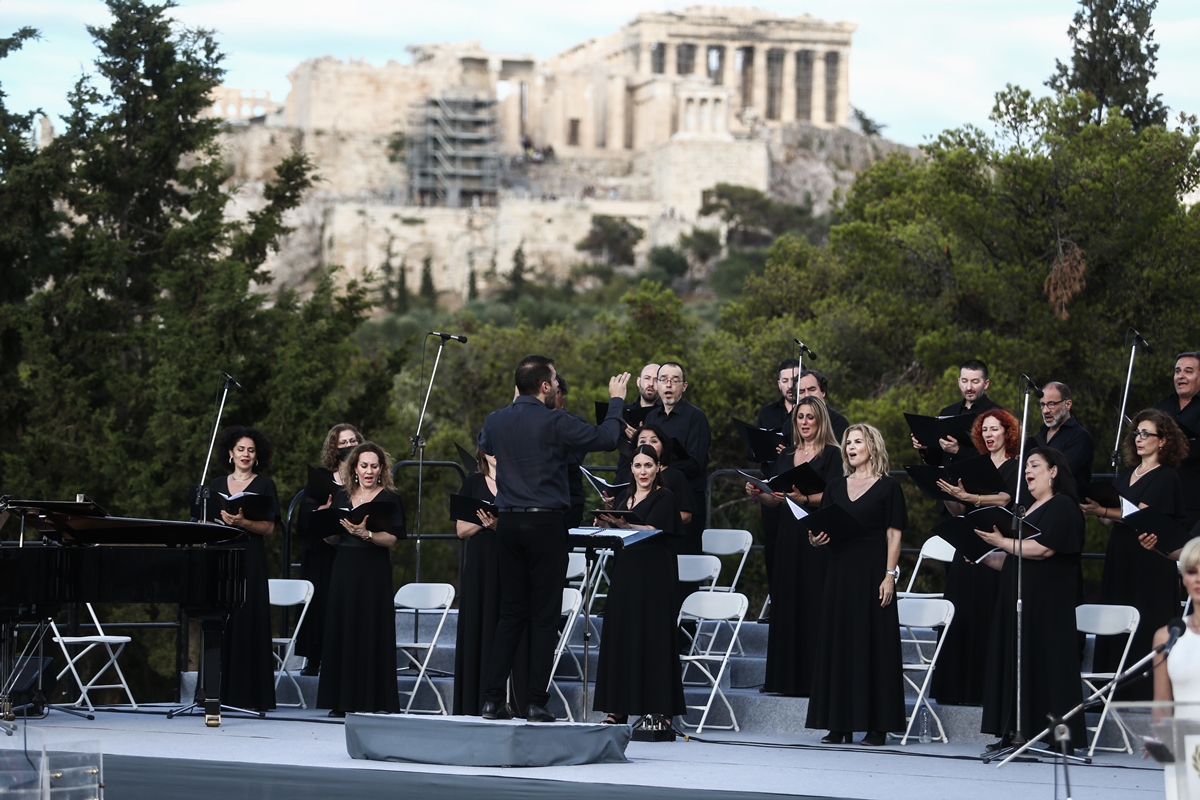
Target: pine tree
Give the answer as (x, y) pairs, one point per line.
(427, 292)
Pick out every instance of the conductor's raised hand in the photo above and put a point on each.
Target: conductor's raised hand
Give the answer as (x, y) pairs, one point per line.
(617, 385)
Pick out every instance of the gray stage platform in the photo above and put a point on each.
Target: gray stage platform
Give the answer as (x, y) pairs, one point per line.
(301, 756)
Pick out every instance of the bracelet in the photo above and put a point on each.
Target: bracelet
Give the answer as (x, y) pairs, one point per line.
(978, 500)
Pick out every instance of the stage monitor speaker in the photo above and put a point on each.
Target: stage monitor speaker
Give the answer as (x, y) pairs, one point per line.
(29, 670)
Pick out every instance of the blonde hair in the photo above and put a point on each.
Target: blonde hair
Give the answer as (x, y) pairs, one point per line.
(1190, 555)
(876, 449)
(350, 477)
(329, 450)
(824, 428)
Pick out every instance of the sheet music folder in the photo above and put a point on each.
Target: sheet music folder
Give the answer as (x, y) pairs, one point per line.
(929, 430)
(978, 474)
(607, 538)
(1171, 535)
(762, 441)
(253, 506)
(466, 508)
(836, 523)
(324, 521)
(633, 417)
(803, 477)
(960, 531)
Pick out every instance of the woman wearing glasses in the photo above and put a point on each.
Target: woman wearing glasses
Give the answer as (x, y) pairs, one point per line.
(1146, 579)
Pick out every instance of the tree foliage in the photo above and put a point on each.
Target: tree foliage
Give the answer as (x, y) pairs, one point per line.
(1113, 60)
(756, 220)
(611, 240)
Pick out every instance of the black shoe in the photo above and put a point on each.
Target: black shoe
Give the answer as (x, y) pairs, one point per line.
(1004, 743)
(837, 737)
(536, 713)
(492, 710)
(337, 714)
(875, 739)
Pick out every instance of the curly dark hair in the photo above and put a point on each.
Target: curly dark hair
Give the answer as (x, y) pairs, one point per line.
(329, 450)
(350, 479)
(262, 445)
(1063, 482)
(1012, 431)
(1170, 436)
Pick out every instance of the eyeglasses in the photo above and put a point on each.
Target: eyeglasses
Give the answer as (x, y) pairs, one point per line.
(1050, 404)
(670, 381)
(1146, 435)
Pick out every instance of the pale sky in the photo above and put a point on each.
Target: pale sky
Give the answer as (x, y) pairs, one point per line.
(920, 66)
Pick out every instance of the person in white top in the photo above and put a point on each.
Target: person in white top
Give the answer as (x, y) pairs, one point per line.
(1180, 681)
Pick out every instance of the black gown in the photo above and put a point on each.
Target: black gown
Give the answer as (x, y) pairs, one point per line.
(973, 589)
(247, 663)
(639, 670)
(358, 662)
(797, 589)
(478, 613)
(316, 566)
(857, 667)
(1049, 660)
(1135, 576)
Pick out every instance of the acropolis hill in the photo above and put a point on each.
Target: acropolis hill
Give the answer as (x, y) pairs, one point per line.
(464, 154)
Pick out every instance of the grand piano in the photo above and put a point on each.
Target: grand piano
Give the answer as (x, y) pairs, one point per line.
(75, 552)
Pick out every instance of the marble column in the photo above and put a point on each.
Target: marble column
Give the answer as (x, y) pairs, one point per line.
(818, 89)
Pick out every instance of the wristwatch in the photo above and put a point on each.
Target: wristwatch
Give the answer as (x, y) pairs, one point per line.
(895, 573)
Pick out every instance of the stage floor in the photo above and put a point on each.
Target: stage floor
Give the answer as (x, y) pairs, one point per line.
(298, 754)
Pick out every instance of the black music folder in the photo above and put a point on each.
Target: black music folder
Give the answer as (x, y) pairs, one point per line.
(320, 487)
(764, 442)
(803, 477)
(978, 474)
(1171, 535)
(929, 430)
(960, 531)
(466, 508)
(602, 486)
(634, 417)
(620, 513)
(324, 522)
(836, 522)
(469, 462)
(1102, 493)
(253, 506)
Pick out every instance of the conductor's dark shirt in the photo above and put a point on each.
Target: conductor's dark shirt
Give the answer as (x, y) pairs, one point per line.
(689, 425)
(533, 444)
(1076, 445)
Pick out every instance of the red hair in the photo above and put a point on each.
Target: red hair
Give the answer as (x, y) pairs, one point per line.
(1012, 431)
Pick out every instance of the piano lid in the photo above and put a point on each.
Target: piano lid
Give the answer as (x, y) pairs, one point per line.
(75, 523)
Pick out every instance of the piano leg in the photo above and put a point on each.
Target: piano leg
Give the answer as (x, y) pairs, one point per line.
(211, 632)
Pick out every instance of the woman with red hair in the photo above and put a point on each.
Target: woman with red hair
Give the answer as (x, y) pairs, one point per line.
(974, 588)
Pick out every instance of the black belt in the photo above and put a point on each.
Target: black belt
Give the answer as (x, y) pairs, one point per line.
(515, 510)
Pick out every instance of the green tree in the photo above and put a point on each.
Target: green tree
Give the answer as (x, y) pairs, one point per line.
(611, 240)
(427, 292)
(701, 244)
(518, 283)
(1113, 57)
(755, 220)
(868, 126)
(666, 264)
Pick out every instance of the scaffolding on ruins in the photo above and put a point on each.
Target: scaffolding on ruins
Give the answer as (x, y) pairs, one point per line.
(452, 152)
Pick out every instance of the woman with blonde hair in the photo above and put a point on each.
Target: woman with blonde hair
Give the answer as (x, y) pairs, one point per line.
(857, 669)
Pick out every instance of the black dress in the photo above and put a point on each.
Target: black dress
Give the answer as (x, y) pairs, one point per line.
(478, 613)
(316, 566)
(1049, 660)
(639, 670)
(857, 667)
(1135, 576)
(358, 663)
(973, 589)
(797, 589)
(247, 663)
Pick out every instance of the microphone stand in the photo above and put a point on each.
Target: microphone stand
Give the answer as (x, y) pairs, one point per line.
(203, 493)
(418, 449)
(1116, 451)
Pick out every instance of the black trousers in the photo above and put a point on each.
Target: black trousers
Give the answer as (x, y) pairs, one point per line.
(533, 570)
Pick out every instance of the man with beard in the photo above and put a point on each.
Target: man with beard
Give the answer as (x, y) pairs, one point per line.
(647, 385)
(1185, 409)
(1062, 431)
(533, 442)
(775, 416)
(684, 422)
(815, 384)
(973, 383)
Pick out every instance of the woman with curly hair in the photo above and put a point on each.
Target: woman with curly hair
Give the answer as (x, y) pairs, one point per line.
(973, 588)
(247, 664)
(1135, 576)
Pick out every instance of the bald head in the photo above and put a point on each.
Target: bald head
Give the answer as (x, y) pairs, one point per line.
(647, 384)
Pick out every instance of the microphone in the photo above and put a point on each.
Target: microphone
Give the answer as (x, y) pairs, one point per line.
(1175, 628)
(804, 349)
(456, 337)
(1139, 339)
(1031, 386)
(230, 379)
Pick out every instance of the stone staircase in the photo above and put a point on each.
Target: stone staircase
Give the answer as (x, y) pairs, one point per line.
(756, 712)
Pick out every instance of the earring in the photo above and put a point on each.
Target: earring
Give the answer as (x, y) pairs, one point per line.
(231, 459)
(256, 462)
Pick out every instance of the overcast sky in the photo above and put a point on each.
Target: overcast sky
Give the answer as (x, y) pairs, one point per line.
(919, 66)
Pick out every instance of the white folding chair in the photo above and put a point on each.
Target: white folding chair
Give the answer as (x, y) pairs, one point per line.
(1103, 620)
(423, 597)
(285, 594)
(727, 542)
(704, 570)
(935, 549)
(924, 612)
(711, 607)
(572, 602)
(92, 642)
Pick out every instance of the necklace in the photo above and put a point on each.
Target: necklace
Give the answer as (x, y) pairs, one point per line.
(1140, 472)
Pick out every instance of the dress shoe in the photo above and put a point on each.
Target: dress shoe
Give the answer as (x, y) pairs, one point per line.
(492, 710)
(836, 737)
(875, 739)
(536, 713)
(337, 714)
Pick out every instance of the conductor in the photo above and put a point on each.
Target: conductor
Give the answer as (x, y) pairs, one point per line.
(533, 442)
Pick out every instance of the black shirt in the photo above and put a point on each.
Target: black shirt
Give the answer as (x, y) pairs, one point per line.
(775, 416)
(1076, 445)
(1189, 470)
(625, 444)
(689, 425)
(934, 455)
(534, 443)
(574, 473)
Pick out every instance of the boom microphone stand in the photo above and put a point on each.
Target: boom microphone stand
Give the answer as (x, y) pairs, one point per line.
(201, 493)
(1137, 340)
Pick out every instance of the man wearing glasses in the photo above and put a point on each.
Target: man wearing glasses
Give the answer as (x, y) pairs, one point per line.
(683, 421)
(1185, 409)
(1062, 431)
